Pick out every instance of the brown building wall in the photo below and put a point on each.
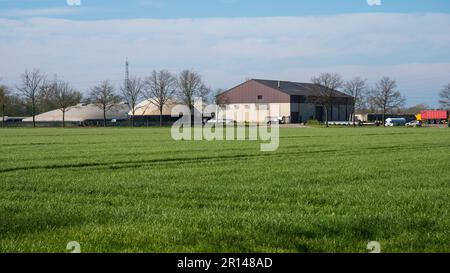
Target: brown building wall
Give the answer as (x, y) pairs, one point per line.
(249, 91)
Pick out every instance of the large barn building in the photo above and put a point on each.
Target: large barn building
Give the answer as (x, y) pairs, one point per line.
(81, 115)
(297, 102)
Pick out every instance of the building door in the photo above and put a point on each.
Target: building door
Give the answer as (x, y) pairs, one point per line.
(294, 117)
(319, 113)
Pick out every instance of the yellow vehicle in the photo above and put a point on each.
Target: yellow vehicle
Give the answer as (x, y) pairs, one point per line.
(419, 117)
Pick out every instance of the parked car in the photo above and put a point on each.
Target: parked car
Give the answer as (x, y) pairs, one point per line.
(222, 121)
(274, 120)
(414, 123)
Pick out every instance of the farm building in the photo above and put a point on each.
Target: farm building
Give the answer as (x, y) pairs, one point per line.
(295, 102)
(147, 113)
(82, 115)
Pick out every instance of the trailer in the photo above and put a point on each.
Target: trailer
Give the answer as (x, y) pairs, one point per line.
(434, 116)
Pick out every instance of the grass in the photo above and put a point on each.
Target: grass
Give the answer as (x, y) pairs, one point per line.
(137, 190)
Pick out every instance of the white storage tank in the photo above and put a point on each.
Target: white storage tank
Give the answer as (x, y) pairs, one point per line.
(395, 122)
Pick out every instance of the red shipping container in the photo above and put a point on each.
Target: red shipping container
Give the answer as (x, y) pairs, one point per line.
(434, 115)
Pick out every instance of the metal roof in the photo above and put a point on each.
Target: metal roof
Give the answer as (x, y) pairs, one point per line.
(297, 88)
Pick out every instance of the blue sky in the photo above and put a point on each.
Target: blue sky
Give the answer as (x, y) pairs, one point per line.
(228, 41)
(120, 9)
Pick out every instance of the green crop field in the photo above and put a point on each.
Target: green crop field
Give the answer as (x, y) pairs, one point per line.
(137, 190)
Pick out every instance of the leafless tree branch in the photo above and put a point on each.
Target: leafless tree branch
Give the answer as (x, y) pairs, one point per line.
(132, 92)
(64, 96)
(104, 97)
(325, 86)
(32, 89)
(444, 97)
(357, 89)
(386, 97)
(161, 86)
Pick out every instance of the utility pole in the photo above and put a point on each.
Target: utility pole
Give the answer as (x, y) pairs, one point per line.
(127, 74)
(127, 85)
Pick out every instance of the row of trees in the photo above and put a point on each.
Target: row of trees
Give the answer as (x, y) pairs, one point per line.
(37, 94)
(36, 91)
(159, 88)
(384, 97)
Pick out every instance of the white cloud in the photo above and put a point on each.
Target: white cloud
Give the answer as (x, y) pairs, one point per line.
(227, 50)
(153, 3)
(36, 12)
(374, 2)
(74, 2)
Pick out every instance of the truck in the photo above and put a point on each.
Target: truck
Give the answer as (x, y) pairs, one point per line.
(434, 116)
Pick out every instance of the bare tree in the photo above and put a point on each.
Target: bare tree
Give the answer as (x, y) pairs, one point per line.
(386, 97)
(4, 101)
(325, 86)
(31, 89)
(104, 97)
(190, 86)
(444, 97)
(132, 92)
(357, 89)
(64, 96)
(161, 86)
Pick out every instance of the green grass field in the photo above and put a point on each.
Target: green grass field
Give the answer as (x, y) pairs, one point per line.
(137, 190)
